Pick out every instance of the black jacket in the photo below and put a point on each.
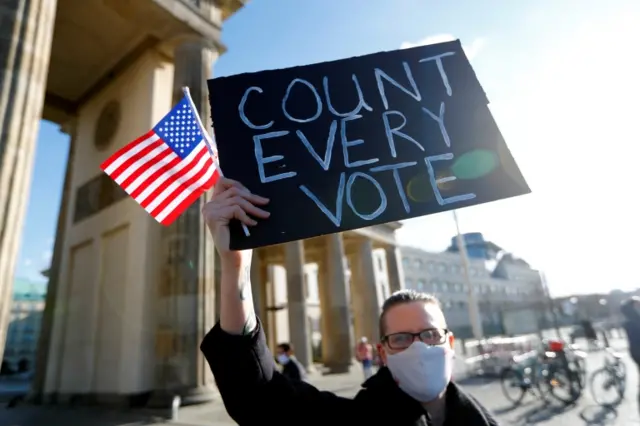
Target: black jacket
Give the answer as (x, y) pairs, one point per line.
(254, 393)
(293, 370)
(632, 328)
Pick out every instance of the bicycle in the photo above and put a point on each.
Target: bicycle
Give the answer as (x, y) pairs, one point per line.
(566, 372)
(524, 375)
(613, 375)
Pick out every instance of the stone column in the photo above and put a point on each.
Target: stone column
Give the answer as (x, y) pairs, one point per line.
(394, 268)
(297, 303)
(366, 294)
(269, 321)
(187, 301)
(26, 30)
(258, 284)
(337, 335)
(217, 276)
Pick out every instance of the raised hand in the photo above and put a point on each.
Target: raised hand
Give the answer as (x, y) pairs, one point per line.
(231, 200)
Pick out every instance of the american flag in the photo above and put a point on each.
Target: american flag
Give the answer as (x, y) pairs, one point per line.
(169, 167)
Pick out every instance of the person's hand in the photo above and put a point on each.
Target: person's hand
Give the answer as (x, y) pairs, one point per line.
(231, 200)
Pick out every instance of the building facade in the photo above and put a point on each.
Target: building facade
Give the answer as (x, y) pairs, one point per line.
(27, 305)
(312, 293)
(503, 287)
(129, 300)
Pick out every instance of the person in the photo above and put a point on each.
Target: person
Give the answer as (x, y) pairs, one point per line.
(630, 309)
(413, 388)
(590, 334)
(364, 355)
(291, 367)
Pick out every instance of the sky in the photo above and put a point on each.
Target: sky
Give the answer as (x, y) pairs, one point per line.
(562, 79)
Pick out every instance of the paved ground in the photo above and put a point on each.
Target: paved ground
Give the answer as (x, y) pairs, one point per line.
(489, 392)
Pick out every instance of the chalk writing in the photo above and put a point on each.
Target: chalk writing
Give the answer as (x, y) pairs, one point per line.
(262, 160)
(356, 110)
(395, 131)
(435, 182)
(346, 143)
(396, 177)
(243, 115)
(383, 198)
(392, 132)
(414, 93)
(336, 218)
(401, 120)
(443, 74)
(440, 119)
(315, 94)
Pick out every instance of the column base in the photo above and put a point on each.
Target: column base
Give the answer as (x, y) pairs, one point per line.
(132, 400)
(337, 368)
(163, 398)
(152, 399)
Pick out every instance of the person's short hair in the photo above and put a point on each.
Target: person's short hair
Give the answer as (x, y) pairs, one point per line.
(286, 347)
(402, 297)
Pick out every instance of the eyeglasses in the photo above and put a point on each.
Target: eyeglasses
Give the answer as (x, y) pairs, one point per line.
(430, 336)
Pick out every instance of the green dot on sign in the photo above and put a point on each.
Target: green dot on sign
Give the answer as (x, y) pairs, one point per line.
(475, 164)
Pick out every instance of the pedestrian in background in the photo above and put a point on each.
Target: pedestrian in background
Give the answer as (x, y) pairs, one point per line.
(291, 367)
(364, 355)
(631, 311)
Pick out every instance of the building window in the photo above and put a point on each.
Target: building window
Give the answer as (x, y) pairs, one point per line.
(380, 265)
(406, 262)
(409, 283)
(421, 286)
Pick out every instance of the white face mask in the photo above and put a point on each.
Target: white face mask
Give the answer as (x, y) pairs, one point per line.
(283, 359)
(423, 372)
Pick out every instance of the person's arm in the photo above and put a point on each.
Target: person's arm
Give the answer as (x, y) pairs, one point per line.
(236, 350)
(237, 313)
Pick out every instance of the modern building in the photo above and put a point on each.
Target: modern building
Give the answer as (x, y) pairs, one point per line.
(477, 247)
(129, 300)
(27, 305)
(509, 292)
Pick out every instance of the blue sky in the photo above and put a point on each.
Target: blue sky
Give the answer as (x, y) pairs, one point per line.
(562, 81)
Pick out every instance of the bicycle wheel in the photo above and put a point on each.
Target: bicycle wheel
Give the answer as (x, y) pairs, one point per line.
(607, 389)
(564, 384)
(512, 383)
(542, 384)
(579, 367)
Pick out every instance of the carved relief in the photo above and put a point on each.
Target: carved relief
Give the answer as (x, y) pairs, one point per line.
(107, 125)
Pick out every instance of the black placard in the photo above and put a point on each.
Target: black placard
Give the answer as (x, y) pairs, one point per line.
(409, 134)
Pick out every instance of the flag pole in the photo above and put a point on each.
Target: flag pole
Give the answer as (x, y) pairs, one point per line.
(472, 301)
(213, 151)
